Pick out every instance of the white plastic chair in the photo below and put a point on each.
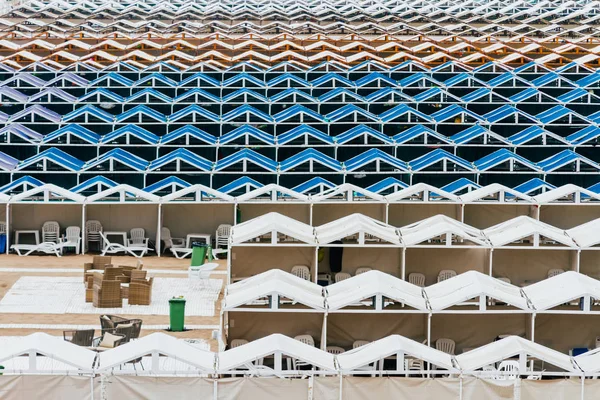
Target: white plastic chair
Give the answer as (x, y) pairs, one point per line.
(92, 233)
(445, 345)
(51, 232)
(137, 237)
(335, 350)
(306, 339)
(72, 238)
(555, 271)
(510, 366)
(413, 364)
(342, 276)
(222, 235)
(362, 270)
(2, 227)
(301, 271)
(171, 242)
(446, 274)
(417, 279)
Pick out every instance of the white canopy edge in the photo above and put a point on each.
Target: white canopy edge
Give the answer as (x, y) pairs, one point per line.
(540, 296)
(424, 192)
(392, 345)
(159, 343)
(439, 225)
(197, 190)
(501, 191)
(524, 226)
(586, 235)
(271, 344)
(269, 223)
(509, 347)
(561, 289)
(373, 283)
(271, 189)
(50, 346)
(470, 285)
(356, 224)
(419, 192)
(564, 191)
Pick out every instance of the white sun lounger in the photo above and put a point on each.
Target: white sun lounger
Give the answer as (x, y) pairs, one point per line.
(113, 248)
(45, 247)
(183, 252)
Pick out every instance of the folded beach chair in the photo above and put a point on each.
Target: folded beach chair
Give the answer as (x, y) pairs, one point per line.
(112, 248)
(44, 247)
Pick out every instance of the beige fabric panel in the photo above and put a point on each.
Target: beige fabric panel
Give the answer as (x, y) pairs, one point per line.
(529, 265)
(364, 388)
(588, 263)
(324, 213)
(24, 387)
(382, 259)
(567, 217)
(431, 261)
(124, 217)
(33, 216)
(326, 388)
(591, 389)
(262, 389)
(251, 260)
(556, 331)
(299, 212)
(344, 329)
(559, 389)
(400, 215)
(479, 389)
(485, 215)
(474, 330)
(182, 219)
(256, 325)
(150, 388)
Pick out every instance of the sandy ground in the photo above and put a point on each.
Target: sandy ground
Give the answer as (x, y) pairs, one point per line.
(7, 279)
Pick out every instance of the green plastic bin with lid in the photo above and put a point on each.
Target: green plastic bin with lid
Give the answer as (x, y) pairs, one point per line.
(198, 256)
(177, 313)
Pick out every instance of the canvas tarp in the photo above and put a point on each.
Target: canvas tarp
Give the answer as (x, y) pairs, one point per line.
(263, 389)
(484, 215)
(51, 387)
(474, 330)
(299, 212)
(158, 388)
(342, 329)
(182, 219)
(430, 261)
(525, 266)
(124, 217)
(325, 213)
(28, 216)
(254, 325)
(405, 214)
(568, 216)
(249, 260)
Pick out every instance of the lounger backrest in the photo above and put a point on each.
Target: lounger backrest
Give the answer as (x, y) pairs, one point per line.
(72, 233)
(137, 235)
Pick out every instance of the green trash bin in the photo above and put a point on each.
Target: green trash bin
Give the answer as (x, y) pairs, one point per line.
(177, 313)
(198, 256)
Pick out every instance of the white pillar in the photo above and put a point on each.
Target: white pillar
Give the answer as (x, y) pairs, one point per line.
(158, 229)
